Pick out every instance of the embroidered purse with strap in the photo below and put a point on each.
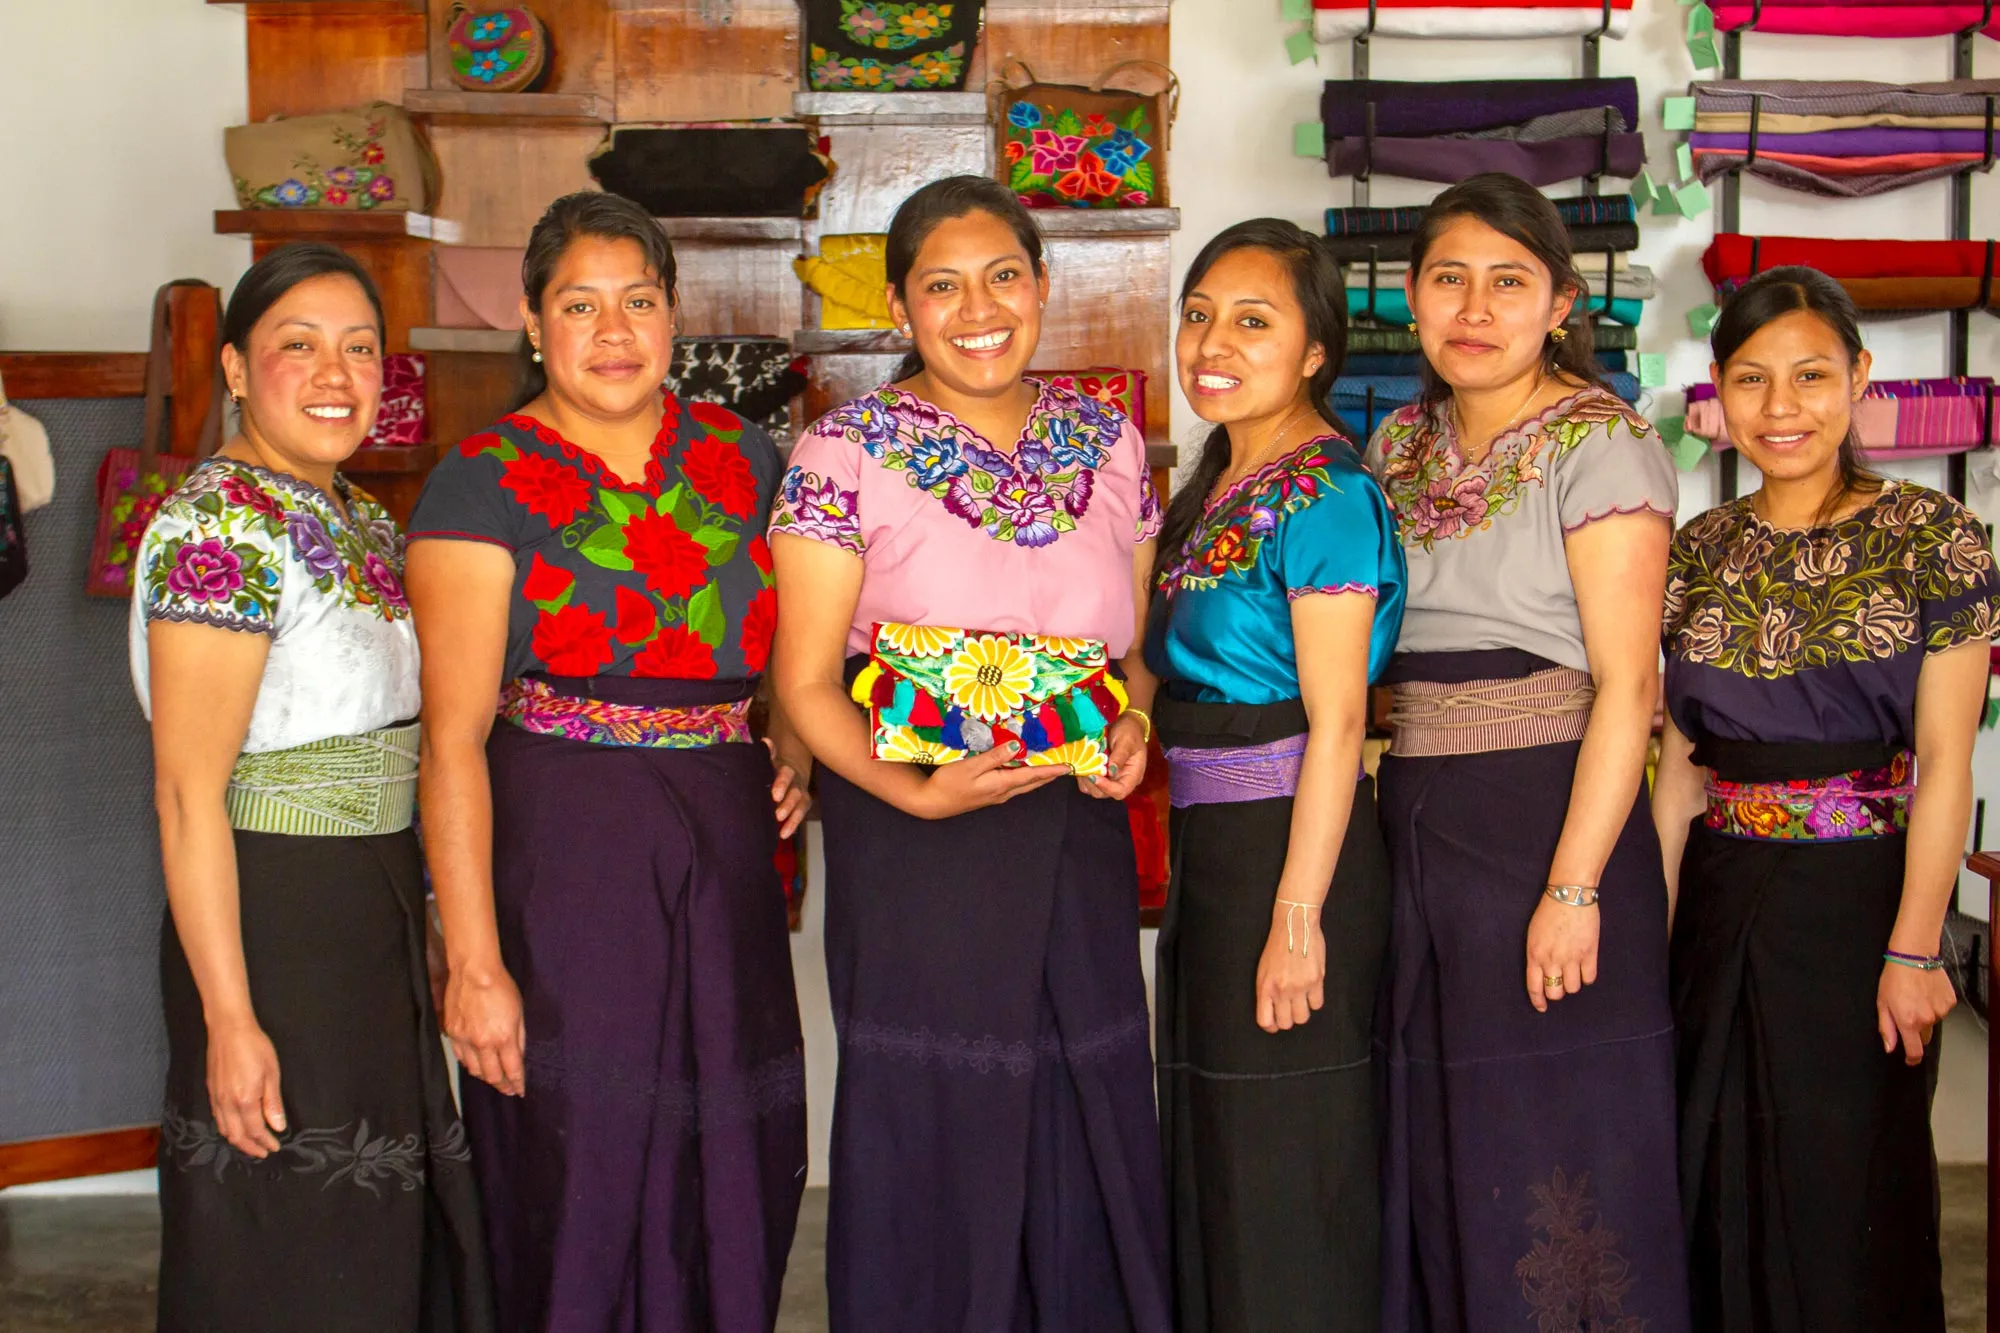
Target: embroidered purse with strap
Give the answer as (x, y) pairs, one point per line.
(1061, 145)
(851, 275)
(371, 157)
(133, 483)
(496, 50)
(885, 46)
(937, 695)
(674, 171)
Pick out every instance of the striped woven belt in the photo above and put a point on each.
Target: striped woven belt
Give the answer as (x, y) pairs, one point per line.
(533, 705)
(1237, 773)
(1867, 803)
(343, 786)
(1480, 716)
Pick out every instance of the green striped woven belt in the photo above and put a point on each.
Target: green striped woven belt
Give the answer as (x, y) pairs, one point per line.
(343, 786)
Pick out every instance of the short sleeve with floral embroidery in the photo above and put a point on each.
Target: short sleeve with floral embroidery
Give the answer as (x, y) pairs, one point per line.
(1820, 634)
(666, 576)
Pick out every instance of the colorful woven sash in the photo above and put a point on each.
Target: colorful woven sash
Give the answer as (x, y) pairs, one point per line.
(534, 705)
(344, 786)
(937, 695)
(1867, 803)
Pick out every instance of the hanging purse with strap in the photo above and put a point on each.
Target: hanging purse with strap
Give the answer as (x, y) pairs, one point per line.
(888, 46)
(1063, 145)
(133, 483)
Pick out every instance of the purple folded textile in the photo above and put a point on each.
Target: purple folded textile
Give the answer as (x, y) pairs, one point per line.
(1870, 141)
(1452, 160)
(1415, 109)
(1238, 773)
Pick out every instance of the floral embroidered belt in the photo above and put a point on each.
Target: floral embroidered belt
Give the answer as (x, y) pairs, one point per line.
(1480, 716)
(937, 695)
(1866, 803)
(534, 705)
(343, 786)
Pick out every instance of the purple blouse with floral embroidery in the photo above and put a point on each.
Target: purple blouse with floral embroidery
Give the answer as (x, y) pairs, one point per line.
(958, 534)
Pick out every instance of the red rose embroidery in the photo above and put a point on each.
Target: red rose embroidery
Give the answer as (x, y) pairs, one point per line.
(719, 471)
(545, 583)
(474, 445)
(676, 655)
(573, 641)
(715, 417)
(673, 563)
(760, 623)
(636, 618)
(547, 488)
(760, 554)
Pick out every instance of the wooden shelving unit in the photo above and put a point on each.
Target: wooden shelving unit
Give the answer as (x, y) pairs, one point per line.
(318, 224)
(535, 108)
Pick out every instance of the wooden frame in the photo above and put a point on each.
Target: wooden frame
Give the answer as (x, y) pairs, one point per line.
(36, 1160)
(73, 374)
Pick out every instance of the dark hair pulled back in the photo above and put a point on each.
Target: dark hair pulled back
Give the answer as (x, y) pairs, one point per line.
(1322, 296)
(1524, 215)
(1774, 294)
(592, 213)
(941, 201)
(265, 283)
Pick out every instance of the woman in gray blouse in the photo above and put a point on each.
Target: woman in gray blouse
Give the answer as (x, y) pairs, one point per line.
(1531, 1171)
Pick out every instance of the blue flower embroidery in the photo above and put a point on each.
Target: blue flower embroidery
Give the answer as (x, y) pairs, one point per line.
(491, 27)
(934, 460)
(293, 194)
(487, 66)
(1122, 151)
(1072, 441)
(1025, 115)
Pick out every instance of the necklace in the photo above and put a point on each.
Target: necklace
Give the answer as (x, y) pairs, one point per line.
(1511, 422)
(1263, 455)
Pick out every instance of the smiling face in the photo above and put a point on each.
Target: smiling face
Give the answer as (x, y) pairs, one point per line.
(973, 304)
(1788, 395)
(605, 329)
(1243, 353)
(1484, 306)
(310, 377)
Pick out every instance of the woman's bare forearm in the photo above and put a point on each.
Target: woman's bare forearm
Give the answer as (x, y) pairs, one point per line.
(457, 801)
(198, 854)
(836, 731)
(1940, 812)
(1609, 768)
(1322, 807)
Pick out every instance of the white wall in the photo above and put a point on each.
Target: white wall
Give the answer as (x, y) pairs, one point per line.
(112, 190)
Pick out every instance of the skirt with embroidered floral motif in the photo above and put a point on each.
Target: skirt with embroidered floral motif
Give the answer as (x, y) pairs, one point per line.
(366, 1219)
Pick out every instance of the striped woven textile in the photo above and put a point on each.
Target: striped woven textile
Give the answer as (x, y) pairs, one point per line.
(1588, 210)
(1895, 418)
(344, 786)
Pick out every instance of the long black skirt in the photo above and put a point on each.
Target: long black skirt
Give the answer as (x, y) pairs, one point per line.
(996, 1156)
(366, 1220)
(1806, 1157)
(1530, 1169)
(1272, 1139)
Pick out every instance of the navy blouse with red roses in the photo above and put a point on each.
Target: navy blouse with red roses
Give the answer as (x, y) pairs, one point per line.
(669, 576)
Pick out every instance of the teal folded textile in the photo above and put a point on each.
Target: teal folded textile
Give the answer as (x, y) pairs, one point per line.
(1392, 307)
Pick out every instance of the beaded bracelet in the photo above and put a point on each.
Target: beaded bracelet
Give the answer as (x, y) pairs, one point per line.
(1923, 962)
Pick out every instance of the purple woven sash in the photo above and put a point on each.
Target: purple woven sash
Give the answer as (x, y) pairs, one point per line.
(1240, 773)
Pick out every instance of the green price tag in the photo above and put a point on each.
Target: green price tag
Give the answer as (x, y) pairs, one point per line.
(1643, 191)
(1688, 452)
(1309, 138)
(1299, 46)
(1701, 22)
(1652, 369)
(1702, 51)
(1684, 161)
(1664, 203)
(1691, 199)
(1670, 428)
(1295, 10)
(1678, 113)
(1701, 319)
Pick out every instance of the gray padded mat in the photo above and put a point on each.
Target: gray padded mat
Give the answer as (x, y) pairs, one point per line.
(82, 1046)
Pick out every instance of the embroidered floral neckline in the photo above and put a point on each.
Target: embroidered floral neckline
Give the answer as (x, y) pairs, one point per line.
(1042, 391)
(1513, 436)
(1891, 486)
(593, 466)
(1232, 528)
(1254, 481)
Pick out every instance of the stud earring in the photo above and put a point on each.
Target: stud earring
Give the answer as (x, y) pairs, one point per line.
(1411, 326)
(235, 398)
(1559, 334)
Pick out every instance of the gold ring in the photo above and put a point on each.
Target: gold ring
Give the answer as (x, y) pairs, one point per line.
(1548, 981)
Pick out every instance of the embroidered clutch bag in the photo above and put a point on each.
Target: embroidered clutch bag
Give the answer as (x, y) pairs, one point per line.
(370, 157)
(886, 46)
(937, 695)
(1061, 145)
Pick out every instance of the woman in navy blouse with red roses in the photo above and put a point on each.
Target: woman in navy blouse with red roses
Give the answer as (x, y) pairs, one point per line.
(620, 974)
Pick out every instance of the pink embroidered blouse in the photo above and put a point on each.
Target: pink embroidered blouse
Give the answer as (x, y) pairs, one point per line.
(954, 533)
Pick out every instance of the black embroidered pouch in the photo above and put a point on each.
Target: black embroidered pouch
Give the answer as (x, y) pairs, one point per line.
(880, 46)
(709, 171)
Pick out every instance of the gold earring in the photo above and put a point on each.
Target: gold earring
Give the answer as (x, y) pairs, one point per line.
(1559, 333)
(1411, 326)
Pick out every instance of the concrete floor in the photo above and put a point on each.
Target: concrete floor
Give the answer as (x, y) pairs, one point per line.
(86, 1265)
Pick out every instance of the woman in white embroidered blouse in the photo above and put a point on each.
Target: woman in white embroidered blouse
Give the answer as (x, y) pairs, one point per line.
(313, 1171)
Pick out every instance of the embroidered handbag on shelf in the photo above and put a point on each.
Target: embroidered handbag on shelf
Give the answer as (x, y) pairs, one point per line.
(366, 158)
(132, 483)
(13, 533)
(402, 419)
(882, 46)
(937, 695)
(714, 170)
(851, 275)
(1113, 386)
(756, 378)
(1062, 145)
(496, 50)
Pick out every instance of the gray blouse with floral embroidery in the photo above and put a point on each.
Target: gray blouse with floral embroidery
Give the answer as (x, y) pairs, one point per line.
(243, 548)
(1488, 568)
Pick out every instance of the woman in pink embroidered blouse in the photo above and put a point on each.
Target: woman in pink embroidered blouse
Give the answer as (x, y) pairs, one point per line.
(995, 1159)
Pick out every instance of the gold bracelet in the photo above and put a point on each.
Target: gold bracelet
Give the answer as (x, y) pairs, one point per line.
(1143, 716)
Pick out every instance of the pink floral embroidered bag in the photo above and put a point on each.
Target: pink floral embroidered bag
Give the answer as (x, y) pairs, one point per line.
(1061, 145)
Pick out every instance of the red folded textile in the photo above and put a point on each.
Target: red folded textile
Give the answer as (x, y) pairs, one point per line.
(1728, 256)
(1876, 20)
(1893, 165)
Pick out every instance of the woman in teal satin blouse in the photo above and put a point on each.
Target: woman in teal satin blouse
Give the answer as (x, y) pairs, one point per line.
(1278, 599)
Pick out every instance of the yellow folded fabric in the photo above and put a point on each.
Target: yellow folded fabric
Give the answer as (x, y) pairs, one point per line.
(851, 275)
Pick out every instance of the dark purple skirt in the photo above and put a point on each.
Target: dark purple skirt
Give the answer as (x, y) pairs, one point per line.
(649, 1181)
(1530, 1173)
(996, 1158)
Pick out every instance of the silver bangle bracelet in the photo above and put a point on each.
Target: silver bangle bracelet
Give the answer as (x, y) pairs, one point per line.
(1572, 895)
